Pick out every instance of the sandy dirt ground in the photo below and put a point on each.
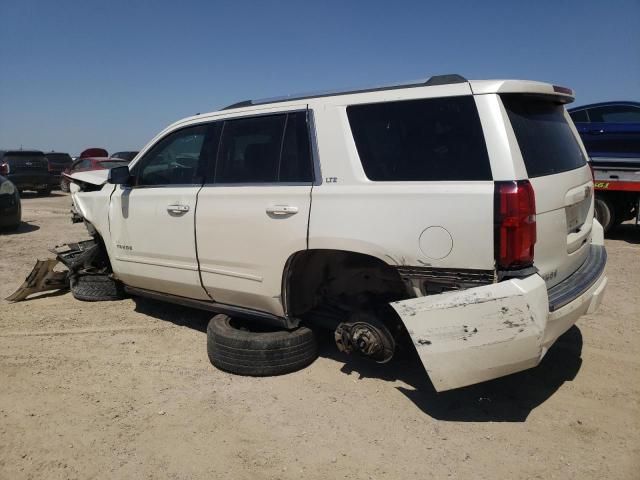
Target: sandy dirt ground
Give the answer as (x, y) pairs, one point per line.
(125, 390)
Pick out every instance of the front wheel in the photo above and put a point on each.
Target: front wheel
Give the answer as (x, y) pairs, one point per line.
(95, 288)
(605, 213)
(64, 185)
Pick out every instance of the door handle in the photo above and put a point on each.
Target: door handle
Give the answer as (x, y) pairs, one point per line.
(596, 131)
(282, 210)
(177, 209)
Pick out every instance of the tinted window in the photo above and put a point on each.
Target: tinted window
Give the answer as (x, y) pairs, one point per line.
(175, 160)
(432, 139)
(295, 163)
(59, 158)
(111, 163)
(615, 114)
(77, 164)
(579, 116)
(546, 141)
(264, 149)
(128, 156)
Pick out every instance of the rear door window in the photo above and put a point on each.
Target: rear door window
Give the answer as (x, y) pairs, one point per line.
(420, 140)
(265, 149)
(546, 141)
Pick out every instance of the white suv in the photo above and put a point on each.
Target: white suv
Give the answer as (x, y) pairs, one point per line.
(459, 212)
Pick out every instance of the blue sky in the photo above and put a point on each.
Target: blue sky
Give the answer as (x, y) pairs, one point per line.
(113, 73)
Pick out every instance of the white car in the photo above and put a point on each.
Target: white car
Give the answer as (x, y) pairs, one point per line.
(457, 212)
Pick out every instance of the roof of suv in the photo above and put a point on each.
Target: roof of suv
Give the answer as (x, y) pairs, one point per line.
(477, 87)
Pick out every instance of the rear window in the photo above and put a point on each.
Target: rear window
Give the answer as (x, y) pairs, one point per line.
(545, 138)
(58, 158)
(420, 140)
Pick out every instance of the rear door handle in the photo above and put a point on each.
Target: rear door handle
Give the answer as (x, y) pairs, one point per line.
(596, 131)
(177, 208)
(282, 210)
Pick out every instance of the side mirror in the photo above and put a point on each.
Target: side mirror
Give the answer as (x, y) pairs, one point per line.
(119, 175)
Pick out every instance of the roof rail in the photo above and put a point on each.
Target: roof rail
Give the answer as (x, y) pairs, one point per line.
(432, 81)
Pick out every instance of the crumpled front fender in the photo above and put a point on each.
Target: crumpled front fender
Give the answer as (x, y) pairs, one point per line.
(469, 336)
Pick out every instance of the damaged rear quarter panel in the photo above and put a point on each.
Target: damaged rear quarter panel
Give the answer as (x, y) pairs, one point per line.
(469, 336)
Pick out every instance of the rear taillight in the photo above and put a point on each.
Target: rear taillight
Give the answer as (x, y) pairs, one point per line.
(515, 224)
(4, 169)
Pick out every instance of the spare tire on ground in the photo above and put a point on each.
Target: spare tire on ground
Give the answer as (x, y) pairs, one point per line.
(95, 288)
(248, 348)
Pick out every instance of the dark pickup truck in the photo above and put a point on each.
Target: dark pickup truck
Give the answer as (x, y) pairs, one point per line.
(27, 169)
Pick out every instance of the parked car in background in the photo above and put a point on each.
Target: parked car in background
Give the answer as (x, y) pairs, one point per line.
(27, 169)
(58, 162)
(610, 132)
(128, 156)
(10, 209)
(88, 164)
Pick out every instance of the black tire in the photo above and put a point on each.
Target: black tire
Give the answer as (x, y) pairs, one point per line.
(245, 348)
(95, 288)
(64, 185)
(605, 213)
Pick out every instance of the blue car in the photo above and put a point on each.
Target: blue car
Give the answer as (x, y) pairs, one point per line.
(609, 129)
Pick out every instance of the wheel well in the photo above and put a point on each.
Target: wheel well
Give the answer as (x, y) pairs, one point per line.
(348, 280)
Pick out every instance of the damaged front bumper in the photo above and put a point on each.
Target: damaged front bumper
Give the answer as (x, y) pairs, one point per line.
(470, 336)
(43, 277)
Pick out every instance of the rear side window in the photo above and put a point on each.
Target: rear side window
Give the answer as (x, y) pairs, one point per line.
(265, 149)
(545, 138)
(615, 114)
(579, 116)
(420, 140)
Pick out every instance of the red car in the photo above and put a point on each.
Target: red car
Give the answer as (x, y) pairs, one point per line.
(87, 164)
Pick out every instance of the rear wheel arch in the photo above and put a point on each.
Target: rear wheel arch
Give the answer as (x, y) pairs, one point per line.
(313, 276)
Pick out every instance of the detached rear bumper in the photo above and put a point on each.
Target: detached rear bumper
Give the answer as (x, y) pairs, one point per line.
(469, 336)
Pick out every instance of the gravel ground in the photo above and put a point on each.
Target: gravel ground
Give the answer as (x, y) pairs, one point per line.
(125, 390)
